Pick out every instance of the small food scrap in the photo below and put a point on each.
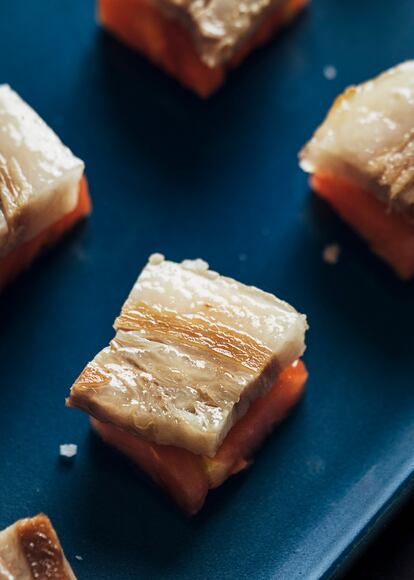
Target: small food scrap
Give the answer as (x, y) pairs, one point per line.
(330, 72)
(68, 450)
(331, 253)
(77, 557)
(30, 549)
(196, 41)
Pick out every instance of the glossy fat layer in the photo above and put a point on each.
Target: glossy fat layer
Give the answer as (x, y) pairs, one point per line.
(30, 549)
(219, 26)
(368, 138)
(192, 350)
(39, 176)
(13, 564)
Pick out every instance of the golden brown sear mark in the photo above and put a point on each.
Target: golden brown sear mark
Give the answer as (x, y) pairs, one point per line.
(42, 549)
(91, 376)
(195, 332)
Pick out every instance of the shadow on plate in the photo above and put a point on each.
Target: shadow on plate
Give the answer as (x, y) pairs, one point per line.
(112, 497)
(31, 282)
(360, 294)
(178, 133)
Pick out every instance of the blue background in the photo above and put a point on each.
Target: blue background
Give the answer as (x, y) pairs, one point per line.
(217, 179)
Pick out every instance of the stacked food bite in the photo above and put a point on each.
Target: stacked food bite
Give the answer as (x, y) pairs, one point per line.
(30, 549)
(199, 371)
(42, 189)
(201, 367)
(362, 162)
(196, 42)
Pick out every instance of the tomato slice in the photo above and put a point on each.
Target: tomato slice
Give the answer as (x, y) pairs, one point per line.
(250, 431)
(388, 233)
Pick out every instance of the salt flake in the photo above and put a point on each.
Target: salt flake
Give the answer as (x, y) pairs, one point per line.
(68, 450)
(330, 72)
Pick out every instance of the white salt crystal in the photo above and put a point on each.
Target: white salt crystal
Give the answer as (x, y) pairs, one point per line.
(68, 450)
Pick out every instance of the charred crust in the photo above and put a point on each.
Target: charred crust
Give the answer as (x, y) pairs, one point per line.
(41, 548)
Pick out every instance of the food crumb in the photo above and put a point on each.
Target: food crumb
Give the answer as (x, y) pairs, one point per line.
(156, 259)
(79, 558)
(330, 72)
(331, 253)
(68, 450)
(242, 257)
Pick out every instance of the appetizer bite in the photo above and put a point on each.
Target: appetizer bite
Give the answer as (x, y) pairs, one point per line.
(197, 43)
(42, 189)
(200, 370)
(362, 162)
(30, 549)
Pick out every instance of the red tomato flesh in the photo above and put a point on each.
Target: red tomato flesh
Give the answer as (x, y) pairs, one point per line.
(389, 234)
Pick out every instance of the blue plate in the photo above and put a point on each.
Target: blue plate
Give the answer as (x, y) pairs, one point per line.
(218, 179)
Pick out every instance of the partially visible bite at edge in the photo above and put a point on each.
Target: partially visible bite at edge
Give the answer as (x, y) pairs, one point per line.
(22, 257)
(31, 547)
(166, 43)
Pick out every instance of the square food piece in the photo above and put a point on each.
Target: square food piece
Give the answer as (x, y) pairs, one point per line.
(196, 42)
(42, 189)
(362, 162)
(29, 549)
(192, 351)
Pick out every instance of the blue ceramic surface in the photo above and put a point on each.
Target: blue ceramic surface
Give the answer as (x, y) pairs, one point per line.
(217, 179)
